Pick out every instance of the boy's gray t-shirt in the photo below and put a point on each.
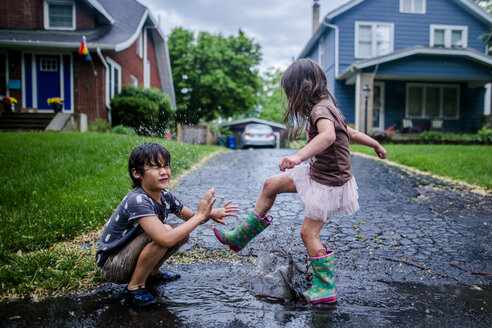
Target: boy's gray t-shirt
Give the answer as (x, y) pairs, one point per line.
(123, 225)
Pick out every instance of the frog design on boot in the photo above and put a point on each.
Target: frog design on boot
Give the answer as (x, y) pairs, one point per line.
(238, 238)
(323, 289)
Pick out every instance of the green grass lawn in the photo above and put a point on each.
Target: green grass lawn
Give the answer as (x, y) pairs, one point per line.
(56, 186)
(471, 163)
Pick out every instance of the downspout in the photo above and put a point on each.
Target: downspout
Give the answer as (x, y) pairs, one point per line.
(357, 102)
(106, 96)
(334, 27)
(146, 80)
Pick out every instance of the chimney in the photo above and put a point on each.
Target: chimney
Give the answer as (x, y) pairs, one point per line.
(315, 15)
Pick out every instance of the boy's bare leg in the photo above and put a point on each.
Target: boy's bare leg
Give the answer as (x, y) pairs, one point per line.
(147, 260)
(169, 253)
(277, 184)
(150, 260)
(310, 235)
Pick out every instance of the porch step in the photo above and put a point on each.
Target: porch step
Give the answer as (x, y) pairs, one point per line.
(25, 121)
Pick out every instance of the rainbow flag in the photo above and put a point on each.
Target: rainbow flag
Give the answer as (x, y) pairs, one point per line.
(83, 50)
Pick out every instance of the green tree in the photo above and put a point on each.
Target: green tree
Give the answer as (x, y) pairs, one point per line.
(213, 75)
(272, 101)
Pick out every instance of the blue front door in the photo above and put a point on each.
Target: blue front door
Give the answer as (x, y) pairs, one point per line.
(48, 79)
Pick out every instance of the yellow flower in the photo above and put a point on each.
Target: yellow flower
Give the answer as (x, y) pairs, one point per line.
(13, 100)
(54, 100)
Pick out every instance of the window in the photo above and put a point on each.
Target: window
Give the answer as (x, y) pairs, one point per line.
(49, 65)
(133, 81)
(59, 14)
(373, 39)
(412, 6)
(114, 78)
(432, 101)
(321, 51)
(140, 45)
(447, 36)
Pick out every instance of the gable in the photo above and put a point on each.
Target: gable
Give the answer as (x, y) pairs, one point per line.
(407, 30)
(465, 5)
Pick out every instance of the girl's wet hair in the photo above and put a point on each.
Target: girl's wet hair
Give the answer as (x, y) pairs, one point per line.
(304, 84)
(147, 154)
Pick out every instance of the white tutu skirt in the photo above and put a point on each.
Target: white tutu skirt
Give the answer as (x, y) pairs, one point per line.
(323, 201)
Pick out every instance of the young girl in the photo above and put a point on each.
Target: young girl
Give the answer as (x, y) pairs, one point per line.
(325, 185)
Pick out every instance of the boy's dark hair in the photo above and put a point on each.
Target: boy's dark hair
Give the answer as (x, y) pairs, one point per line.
(147, 154)
(304, 84)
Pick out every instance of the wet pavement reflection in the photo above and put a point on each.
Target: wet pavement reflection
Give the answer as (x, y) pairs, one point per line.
(393, 260)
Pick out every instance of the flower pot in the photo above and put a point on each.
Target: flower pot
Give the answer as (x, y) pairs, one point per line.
(57, 107)
(7, 107)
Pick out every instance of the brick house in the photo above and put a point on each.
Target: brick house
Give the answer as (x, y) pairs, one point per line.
(39, 58)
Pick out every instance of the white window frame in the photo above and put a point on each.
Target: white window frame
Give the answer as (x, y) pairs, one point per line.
(46, 12)
(380, 126)
(373, 38)
(424, 93)
(113, 66)
(7, 91)
(413, 11)
(140, 45)
(447, 34)
(133, 81)
(48, 64)
(321, 51)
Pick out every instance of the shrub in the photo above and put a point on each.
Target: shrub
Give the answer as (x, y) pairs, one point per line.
(485, 134)
(121, 129)
(431, 135)
(148, 111)
(138, 113)
(100, 125)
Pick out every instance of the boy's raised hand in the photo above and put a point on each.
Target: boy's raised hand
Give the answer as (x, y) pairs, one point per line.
(206, 204)
(221, 212)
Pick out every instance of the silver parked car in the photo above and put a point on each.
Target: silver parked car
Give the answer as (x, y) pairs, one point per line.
(257, 135)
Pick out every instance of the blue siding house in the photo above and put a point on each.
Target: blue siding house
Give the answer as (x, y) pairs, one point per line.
(406, 61)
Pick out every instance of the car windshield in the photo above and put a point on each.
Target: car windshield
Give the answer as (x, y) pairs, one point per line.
(258, 127)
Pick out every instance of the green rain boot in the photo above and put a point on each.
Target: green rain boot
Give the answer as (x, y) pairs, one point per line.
(239, 237)
(323, 289)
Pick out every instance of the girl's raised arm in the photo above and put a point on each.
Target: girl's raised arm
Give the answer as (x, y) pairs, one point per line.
(364, 139)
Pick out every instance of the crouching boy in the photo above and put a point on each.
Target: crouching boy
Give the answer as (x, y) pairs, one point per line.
(136, 241)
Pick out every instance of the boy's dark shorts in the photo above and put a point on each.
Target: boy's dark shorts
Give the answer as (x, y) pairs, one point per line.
(119, 267)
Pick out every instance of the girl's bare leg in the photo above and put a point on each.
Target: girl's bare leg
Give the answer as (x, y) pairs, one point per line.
(277, 184)
(310, 236)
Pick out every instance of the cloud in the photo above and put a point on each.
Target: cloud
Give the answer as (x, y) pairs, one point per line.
(281, 27)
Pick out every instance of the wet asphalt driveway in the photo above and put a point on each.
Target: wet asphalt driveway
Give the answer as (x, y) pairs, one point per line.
(409, 257)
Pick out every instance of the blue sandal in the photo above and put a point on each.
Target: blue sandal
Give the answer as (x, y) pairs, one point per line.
(140, 298)
(161, 277)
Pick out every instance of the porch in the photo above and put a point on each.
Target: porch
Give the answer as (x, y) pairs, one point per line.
(420, 89)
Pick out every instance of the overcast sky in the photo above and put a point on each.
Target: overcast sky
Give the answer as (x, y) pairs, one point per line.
(281, 27)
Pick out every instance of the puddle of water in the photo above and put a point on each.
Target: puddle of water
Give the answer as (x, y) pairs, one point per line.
(220, 295)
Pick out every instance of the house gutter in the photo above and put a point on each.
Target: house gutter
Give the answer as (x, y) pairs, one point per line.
(106, 89)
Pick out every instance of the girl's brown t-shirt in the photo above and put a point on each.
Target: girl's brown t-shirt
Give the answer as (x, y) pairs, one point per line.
(332, 166)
